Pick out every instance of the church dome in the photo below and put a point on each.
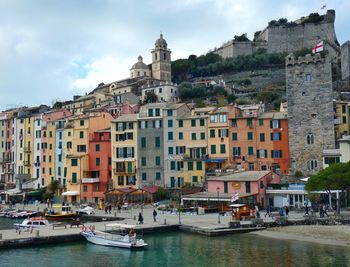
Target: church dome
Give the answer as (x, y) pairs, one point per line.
(139, 65)
(161, 43)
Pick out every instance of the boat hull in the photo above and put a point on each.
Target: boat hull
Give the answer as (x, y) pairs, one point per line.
(99, 240)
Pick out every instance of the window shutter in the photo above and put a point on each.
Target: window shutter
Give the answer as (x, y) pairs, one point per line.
(271, 124)
(271, 136)
(279, 136)
(257, 153)
(280, 153)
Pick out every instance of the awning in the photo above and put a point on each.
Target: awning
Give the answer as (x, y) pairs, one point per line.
(71, 193)
(37, 193)
(215, 160)
(13, 192)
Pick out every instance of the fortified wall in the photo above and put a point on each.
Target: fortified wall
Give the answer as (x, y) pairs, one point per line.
(310, 111)
(285, 38)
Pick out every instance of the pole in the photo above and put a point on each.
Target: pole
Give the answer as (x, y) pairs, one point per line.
(179, 206)
(218, 209)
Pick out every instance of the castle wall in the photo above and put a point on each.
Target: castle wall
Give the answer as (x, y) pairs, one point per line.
(345, 61)
(310, 111)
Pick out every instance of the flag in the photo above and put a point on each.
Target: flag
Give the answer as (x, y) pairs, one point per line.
(235, 197)
(318, 48)
(324, 6)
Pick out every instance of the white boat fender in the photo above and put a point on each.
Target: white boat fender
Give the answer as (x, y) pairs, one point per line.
(92, 228)
(83, 228)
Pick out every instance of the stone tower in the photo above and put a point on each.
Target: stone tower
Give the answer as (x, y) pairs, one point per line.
(161, 61)
(310, 111)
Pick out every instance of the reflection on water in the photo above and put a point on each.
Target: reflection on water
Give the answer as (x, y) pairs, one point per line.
(180, 249)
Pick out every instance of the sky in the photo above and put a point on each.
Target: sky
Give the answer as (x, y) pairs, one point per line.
(52, 50)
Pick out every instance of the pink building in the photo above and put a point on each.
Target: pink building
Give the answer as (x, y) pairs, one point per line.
(252, 184)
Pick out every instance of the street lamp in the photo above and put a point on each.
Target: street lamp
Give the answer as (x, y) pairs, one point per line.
(218, 190)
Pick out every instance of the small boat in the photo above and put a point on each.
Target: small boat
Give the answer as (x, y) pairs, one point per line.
(35, 222)
(22, 214)
(4, 212)
(121, 240)
(60, 212)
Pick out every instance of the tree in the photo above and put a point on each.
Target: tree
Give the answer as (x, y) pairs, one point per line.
(185, 90)
(51, 189)
(151, 97)
(334, 177)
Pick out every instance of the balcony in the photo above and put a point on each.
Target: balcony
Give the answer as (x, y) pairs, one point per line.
(26, 163)
(123, 171)
(90, 180)
(27, 150)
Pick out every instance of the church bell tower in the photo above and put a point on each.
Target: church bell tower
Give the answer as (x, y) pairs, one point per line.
(161, 60)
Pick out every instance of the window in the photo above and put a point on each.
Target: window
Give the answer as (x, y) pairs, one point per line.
(262, 137)
(143, 124)
(170, 136)
(199, 166)
(222, 149)
(251, 166)
(261, 122)
(234, 136)
(331, 160)
(234, 122)
(97, 161)
(81, 122)
(275, 136)
(157, 141)
(310, 139)
(157, 160)
(144, 176)
(250, 151)
(212, 133)
(194, 137)
(193, 123)
(158, 176)
(81, 148)
(201, 122)
(344, 119)
(202, 136)
(312, 164)
(190, 165)
(276, 153)
(236, 151)
(170, 150)
(143, 161)
(261, 153)
(181, 136)
(173, 165)
(222, 117)
(194, 179)
(213, 118)
(247, 187)
(74, 178)
(274, 124)
(213, 149)
(249, 123)
(170, 112)
(74, 162)
(97, 147)
(85, 188)
(308, 77)
(150, 112)
(170, 123)
(120, 180)
(143, 142)
(250, 135)
(81, 134)
(181, 123)
(157, 112)
(223, 132)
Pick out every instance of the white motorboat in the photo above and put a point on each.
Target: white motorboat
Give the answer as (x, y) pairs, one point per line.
(122, 239)
(35, 222)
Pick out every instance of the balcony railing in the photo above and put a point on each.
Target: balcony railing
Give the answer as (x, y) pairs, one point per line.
(126, 171)
(26, 163)
(90, 180)
(27, 150)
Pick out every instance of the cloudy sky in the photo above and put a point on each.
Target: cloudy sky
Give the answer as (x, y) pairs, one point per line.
(51, 50)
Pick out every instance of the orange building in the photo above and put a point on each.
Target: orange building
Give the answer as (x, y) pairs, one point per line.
(258, 140)
(95, 180)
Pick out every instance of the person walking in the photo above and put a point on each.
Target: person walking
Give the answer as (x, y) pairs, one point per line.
(267, 211)
(287, 211)
(106, 209)
(110, 208)
(140, 218)
(154, 215)
(306, 210)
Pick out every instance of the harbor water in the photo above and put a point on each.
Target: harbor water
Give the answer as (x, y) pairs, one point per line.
(183, 249)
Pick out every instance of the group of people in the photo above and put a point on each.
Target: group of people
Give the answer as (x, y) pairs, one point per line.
(140, 219)
(108, 209)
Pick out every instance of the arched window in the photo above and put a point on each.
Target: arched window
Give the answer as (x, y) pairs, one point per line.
(312, 164)
(310, 139)
(156, 56)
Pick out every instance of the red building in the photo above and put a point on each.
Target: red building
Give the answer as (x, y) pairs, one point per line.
(95, 181)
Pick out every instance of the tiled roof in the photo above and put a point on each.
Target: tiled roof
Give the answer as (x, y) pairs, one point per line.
(241, 176)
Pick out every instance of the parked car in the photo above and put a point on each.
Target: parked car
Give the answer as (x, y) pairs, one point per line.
(86, 210)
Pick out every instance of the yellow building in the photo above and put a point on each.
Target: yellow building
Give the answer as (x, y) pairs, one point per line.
(218, 140)
(124, 151)
(192, 136)
(341, 121)
(50, 152)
